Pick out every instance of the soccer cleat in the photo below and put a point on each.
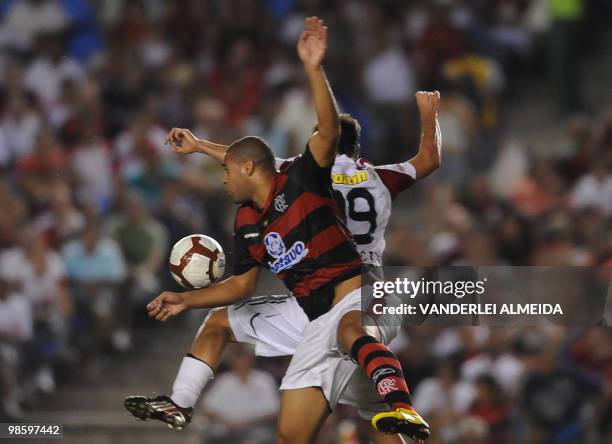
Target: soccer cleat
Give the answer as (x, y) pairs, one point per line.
(136, 405)
(404, 421)
(161, 408)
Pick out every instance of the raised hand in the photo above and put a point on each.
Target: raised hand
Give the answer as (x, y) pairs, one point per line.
(166, 305)
(428, 103)
(313, 42)
(182, 141)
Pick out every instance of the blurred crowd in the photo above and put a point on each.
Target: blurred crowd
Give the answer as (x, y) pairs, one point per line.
(91, 200)
(474, 385)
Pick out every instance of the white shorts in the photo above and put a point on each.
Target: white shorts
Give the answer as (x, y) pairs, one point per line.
(273, 324)
(319, 361)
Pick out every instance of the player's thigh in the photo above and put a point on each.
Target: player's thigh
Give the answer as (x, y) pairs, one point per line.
(217, 320)
(302, 414)
(273, 324)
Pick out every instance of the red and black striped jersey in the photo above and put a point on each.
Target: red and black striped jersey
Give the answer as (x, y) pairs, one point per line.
(298, 235)
(365, 194)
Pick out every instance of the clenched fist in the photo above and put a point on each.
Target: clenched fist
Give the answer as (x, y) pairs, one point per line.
(166, 305)
(428, 102)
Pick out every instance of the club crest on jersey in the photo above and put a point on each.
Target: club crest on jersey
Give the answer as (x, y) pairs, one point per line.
(280, 203)
(284, 258)
(354, 179)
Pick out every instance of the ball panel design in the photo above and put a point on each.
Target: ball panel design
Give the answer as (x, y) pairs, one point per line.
(196, 261)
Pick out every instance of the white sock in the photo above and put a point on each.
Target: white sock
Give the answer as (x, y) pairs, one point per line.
(192, 377)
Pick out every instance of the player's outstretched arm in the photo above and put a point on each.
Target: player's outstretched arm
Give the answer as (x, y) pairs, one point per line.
(182, 141)
(311, 49)
(429, 156)
(229, 291)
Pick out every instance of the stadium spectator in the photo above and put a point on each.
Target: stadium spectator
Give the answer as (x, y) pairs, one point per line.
(63, 220)
(445, 394)
(594, 190)
(564, 38)
(23, 21)
(39, 273)
(50, 69)
(15, 330)
(91, 164)
(243, 384)
(389, 82)
(142, 240)
(20, 125)
(492, 406)
(497, 361)
(95, 270)
(557, 399)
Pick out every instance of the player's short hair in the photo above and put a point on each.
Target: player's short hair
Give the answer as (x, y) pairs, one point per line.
(254, 149)
(350, 132)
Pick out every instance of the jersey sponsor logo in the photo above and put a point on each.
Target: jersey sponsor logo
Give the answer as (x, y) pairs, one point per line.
(280, 203)
(354, 179)
(284, 258)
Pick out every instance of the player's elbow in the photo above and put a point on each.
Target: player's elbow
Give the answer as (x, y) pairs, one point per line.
(245, 286)
(434, 163)
(425, 164)
(429, 167)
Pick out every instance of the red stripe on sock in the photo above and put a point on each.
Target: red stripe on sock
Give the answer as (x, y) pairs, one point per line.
(366, 350)
(378, 362)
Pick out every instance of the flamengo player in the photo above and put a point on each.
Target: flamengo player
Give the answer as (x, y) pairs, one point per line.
(321, 273)
(274, 324)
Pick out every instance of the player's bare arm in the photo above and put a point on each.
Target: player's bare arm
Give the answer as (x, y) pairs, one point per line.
(227, 292)
(311, 47)
(182, 141)
(429, 156)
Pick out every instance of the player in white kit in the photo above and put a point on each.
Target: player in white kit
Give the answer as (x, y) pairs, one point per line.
(274, 324)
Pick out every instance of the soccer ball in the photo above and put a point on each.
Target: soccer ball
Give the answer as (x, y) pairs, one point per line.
(196, 261)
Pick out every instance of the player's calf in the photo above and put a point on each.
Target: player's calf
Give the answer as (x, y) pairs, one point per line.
(193, 375)
(385, 372)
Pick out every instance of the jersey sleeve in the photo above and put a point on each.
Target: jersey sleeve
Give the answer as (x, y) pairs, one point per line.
(243, 260)
(282, 164)
(310, 175)
(397, 177)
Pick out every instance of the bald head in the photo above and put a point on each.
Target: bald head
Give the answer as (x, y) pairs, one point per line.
(253, 149)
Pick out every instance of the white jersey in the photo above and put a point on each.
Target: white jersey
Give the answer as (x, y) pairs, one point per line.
(365, 193)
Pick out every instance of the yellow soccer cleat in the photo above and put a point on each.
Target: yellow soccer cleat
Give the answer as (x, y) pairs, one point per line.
(404, 421)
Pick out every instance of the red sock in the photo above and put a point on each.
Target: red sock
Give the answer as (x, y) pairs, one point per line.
(385, 371)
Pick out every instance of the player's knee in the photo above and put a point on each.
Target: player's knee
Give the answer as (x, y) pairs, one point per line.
(289, 433)
(350, 329)
(215, 322)
(218, 318)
